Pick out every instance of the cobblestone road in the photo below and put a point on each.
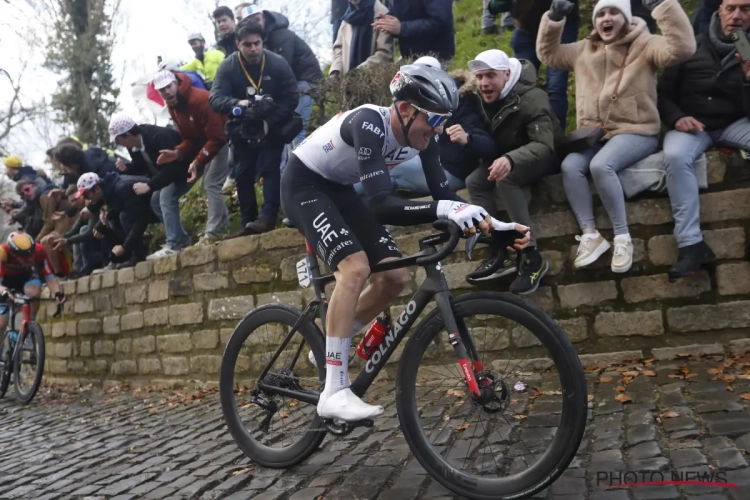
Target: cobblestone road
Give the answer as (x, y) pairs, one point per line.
(137, 444)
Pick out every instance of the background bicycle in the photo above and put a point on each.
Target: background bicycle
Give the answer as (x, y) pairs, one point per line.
(22, 354)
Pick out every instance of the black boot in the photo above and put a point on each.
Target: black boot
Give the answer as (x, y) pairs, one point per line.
(690, 261)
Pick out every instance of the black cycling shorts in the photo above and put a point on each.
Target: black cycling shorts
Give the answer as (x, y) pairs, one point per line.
(333, 217)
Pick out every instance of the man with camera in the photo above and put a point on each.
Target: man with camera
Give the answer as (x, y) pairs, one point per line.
(705, 101)
(259, 90)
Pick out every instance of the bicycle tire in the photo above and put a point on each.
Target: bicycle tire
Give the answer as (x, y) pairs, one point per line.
(6, 370)
(310, 441)
(572, 425)
(32, 328)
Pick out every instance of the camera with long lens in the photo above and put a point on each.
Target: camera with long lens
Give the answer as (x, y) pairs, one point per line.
(246, 124)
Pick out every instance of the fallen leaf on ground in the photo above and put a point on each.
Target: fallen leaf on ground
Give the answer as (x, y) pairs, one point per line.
(520, 417)
(670, 414)
(293, 403)
(154, 410)
(745, 396)
(691, 375)
(672, 375)
(713, 371)
(649, 373)
(619, 388)
(462, 427)
(728, 378)
(242, 471)
(591, 397)
(622, 398)
(456, 392)
(284, 414)
(683, 355)
(631, 373)
(605, 379)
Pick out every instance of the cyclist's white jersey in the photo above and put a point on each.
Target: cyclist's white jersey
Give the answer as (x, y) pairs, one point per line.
(326, 153)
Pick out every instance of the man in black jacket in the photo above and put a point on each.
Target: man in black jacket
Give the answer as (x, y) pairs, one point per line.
(75, 161)
(300, 57)
(154, 157)
(245, 76)
(423, 27)
(133, 211)
(706, 102)
(224, 19)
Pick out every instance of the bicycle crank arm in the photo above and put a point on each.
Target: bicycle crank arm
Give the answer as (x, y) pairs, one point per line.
(341, 428)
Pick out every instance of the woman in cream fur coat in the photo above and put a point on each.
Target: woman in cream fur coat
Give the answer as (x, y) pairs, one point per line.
(631, 121)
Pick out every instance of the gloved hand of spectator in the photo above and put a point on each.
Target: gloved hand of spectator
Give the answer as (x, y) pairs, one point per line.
(561, 8)
(651, 4)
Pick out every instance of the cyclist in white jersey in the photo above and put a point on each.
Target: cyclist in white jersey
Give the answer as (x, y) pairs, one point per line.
(317, 195)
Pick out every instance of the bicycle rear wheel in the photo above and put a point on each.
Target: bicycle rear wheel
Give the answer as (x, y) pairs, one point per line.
(28, 365)
(460, 444)
(6, 366)
(273, 430)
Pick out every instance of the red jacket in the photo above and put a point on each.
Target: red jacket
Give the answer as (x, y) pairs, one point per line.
(201, 129)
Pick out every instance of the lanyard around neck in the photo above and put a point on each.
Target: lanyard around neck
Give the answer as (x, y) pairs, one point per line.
(256, 86)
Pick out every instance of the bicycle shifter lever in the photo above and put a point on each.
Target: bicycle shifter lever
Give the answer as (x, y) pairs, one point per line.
(471, 242)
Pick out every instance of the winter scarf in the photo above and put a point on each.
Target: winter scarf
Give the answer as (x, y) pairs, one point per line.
(360, 18)
(725, 48)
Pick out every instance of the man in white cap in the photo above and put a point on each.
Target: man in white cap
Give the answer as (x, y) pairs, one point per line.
(525, 131)
(154, 154)
(206, 61)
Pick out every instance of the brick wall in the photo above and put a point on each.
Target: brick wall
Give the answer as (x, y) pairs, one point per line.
(167, 321)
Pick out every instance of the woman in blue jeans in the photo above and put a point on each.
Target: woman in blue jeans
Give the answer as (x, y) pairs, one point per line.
(615, 89)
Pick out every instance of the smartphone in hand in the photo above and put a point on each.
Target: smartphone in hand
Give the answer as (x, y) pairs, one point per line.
(739, 37)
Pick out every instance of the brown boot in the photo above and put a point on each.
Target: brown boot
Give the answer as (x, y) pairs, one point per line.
(260, 225)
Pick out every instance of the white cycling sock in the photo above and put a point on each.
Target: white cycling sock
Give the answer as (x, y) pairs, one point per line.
(337, 364)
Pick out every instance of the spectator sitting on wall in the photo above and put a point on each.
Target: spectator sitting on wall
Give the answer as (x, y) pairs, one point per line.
(224, 18)
(203, 140)
(154, 154)
(422, 27)
(132, 211)
(620, 58)
(525, 131)
(359, 44)
(705, 101)
(280, 39)
(263, 73)
(206, 61)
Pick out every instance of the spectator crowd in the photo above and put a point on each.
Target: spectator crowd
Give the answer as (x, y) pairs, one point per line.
(240, 107)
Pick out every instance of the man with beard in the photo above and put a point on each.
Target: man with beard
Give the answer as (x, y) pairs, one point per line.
(300, 57)
(203, 139)
(705, 101)
(206, 61)
(246, 80)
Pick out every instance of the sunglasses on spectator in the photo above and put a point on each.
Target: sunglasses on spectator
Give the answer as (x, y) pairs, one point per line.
(434, 119)
(27, 189)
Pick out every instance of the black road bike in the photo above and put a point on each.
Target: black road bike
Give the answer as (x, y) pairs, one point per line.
(457, 438)
(22, 352)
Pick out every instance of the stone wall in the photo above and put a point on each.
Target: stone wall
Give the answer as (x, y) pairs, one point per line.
(167, 321)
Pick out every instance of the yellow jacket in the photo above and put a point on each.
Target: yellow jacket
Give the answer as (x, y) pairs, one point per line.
(209, 65)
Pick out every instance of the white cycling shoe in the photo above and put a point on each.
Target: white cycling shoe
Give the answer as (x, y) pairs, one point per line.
(345, 405)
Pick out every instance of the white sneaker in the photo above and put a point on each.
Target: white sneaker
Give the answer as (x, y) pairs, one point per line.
(229, 184)
(164, 252)
(311, 358)
(589, 249)
(345, 405)
(622, 258)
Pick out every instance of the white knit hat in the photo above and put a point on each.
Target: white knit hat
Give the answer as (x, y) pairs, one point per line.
(621, 5)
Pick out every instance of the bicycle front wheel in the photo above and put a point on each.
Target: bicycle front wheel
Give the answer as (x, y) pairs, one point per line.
(28, 365)
(517, 438)
(6, 365)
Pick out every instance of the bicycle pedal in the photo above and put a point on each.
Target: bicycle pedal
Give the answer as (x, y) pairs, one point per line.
(339, 427)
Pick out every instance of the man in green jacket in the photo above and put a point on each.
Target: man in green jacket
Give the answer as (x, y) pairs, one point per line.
(206, 61)
(525, 130)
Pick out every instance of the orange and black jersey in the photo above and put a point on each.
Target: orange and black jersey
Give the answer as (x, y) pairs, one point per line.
(13, 265)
